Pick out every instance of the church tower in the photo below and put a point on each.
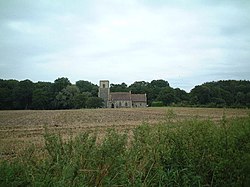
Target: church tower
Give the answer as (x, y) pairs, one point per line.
(104, 91)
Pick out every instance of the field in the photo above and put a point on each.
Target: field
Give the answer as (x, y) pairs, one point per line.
(21, 128)
(125, 147)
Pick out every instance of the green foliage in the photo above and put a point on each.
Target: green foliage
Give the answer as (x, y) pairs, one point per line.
(63, 95)
(22, 95)
(94, 102)
(119, 87)
(45, 95)
(66, 98)
(170, 115)
(60, 84)
(229, 93)
(189, 153)
(80, 100)
(157, 104)
(42, 96)
(86, 86)
(167, 96)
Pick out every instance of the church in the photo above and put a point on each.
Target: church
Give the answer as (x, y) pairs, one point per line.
(120, 99)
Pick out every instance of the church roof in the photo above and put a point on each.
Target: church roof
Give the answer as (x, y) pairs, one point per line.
(127, 96)
(139, 97)
(120, 96)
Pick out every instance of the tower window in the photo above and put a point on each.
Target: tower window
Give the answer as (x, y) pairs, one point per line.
(103, 85)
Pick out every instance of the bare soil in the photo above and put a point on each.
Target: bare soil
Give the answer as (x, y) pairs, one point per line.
(19, 129)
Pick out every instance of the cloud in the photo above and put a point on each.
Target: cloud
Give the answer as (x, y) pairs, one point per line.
(125, 41)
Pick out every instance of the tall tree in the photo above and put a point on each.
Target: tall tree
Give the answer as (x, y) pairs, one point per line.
(159, 83)
(23, 95)
(94, 102)
(42, 97)
(167, 96)
(60, 84)
(201, 95)
(119, 87)
(139, 87)
(86, 86)
(6, 93)
(80, 100)
(66, 99)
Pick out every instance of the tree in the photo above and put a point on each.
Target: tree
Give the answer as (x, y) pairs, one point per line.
(201, 95)
(6, 93)
(23, 95)
(5, 98)
(181, 95)
(139, 87)
(159, 83)
(248, 99)
(240, 98)
(42, 97)
(167, 96)
(94, 102)
(80, 100)
(60, 84)
(119, 87)
(86, 86)
(66, 99)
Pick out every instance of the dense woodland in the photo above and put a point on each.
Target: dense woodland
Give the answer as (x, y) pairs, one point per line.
(62, 94)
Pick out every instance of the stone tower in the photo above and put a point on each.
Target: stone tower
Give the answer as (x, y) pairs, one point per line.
(104, 91)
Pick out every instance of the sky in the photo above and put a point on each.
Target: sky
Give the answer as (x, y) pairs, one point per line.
(184, 42)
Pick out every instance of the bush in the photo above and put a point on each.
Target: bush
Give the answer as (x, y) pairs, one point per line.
(157, 104)
(189, 153)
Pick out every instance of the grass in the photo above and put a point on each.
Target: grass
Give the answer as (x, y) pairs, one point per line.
(189, 152)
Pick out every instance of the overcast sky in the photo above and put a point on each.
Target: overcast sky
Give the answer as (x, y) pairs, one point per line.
(186, 42)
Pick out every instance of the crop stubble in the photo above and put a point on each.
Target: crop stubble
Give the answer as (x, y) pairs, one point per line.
(18, 129)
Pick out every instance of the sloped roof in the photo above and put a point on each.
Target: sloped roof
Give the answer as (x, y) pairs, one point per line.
(120, 96)
(139, 97)
(127, 96)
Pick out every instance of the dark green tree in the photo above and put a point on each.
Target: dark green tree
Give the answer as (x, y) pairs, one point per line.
(139, 87)
(159, 83)
(181, 95)
(201, 95)
(94, 102)
(86, 86)
(248, 99)
(119, 87)
(60, 84)
(22, 95)
(6, 93)
(66, 99)
(80, 100)
(43, 96)
(240, 99)
(167, 96)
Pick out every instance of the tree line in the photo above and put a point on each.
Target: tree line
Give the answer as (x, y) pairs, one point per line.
(225, 93)
(62, 94)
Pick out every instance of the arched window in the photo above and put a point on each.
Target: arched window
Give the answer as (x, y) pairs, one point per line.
(103, 85)
(126, 104)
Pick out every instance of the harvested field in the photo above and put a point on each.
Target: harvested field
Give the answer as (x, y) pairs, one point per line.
(21, 128)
